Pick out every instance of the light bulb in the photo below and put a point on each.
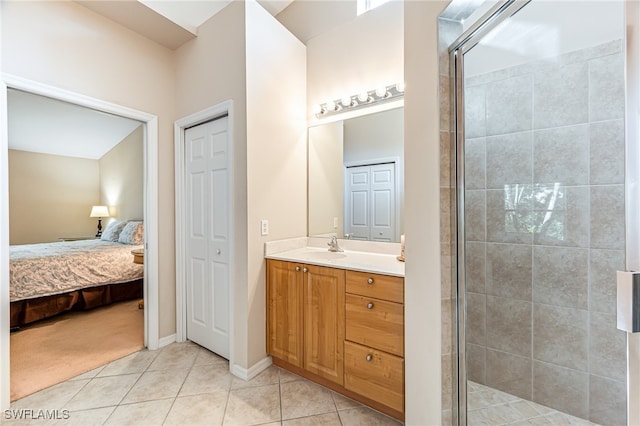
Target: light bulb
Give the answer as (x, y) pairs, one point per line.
(346, 101)
(381, 92)
(363, 97)
(400, 87)
(317, 109)
(331, 106)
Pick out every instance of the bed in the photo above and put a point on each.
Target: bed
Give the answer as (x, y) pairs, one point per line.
(50, 278)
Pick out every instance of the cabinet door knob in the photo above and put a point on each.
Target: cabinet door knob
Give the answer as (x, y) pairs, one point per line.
(370, 305)
(369, 357)
(370, 281)
(218, 251)
(304, 269)
(297, 269)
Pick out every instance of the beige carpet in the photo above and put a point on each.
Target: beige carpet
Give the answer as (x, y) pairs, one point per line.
(54, 350)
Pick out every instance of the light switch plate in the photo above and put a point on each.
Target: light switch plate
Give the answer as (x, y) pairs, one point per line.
(264, 227)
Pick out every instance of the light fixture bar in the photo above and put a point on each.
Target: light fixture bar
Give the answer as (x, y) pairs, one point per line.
(361, 100)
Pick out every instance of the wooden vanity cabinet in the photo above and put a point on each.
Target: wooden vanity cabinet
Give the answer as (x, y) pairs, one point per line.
(284, 311)
(305, 317)
(342, 329)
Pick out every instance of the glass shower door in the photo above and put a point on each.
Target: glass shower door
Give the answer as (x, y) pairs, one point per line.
(541, 179)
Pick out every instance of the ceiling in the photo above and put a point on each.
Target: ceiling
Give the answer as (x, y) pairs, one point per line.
(49, 126)
(190, 14)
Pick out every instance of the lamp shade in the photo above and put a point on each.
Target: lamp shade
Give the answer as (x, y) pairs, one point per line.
(99, 211)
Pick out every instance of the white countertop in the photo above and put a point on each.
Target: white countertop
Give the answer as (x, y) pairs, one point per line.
(378, 263)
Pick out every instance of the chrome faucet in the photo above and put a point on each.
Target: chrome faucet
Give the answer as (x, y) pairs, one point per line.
(333, 244)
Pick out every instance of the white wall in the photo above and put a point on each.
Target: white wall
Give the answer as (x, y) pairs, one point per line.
(63, 44)
(326, 179)
(423, 321)
(245, 55)
(359, 55)
(51, 197)
(122, 178)
(209, 70)
(374, 136)
(276, 152)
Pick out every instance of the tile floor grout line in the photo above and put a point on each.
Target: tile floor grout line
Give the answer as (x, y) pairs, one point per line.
(333, 394)
(166, 416)
(226, 405)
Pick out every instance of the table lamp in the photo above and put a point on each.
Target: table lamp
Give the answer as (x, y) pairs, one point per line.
(99, 212)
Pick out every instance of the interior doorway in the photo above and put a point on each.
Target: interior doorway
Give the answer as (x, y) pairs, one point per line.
(150, 156)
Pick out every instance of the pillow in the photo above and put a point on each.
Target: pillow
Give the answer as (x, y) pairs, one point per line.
(112, 231)
(132, 233)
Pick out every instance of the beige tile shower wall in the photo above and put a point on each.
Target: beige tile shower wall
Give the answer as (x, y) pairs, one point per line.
(545, 231)
(447, 32)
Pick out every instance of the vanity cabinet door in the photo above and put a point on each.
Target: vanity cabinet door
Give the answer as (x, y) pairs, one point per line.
(324, 322)
(284, 311)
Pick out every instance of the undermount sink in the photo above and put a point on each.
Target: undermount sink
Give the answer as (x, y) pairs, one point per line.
(325, 255)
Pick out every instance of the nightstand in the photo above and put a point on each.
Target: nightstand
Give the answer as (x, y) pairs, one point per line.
(138, 255)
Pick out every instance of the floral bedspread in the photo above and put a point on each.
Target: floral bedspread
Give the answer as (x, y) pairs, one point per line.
(54, 268)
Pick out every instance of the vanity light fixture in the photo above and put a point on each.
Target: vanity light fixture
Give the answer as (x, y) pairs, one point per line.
(349, 103)
(364, 97)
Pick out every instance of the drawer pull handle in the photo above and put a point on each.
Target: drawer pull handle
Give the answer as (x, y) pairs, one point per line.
(297, 269)
(370, 305)
(369, 357)
(370, 281)
(304, 269)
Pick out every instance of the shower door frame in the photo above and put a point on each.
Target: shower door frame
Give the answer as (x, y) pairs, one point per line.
(501, 11)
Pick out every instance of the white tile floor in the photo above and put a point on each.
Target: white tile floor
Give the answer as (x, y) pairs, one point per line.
(184, 384)
(488, 406)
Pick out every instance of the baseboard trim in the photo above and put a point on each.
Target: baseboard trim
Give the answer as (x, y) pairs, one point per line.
(253, 371)
(167, 340)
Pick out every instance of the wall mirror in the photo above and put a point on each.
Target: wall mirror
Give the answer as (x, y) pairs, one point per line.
(356, 187)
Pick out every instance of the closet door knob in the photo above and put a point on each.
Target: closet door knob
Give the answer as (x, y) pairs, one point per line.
(218, 251)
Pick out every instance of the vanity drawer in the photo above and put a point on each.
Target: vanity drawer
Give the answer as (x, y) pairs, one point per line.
(374, 285)
(377, 375)
(376, 323)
